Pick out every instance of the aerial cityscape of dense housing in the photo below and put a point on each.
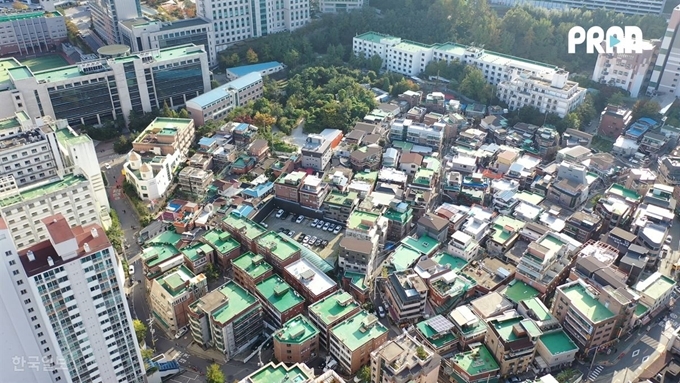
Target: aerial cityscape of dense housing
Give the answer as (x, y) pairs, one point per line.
(185, 205)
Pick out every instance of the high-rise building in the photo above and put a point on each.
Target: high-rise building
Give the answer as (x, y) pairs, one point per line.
(629, 72)
(107, 13)
(29, 33)
(237, 20)
(663, 80)
(71, 309)
(336, 6)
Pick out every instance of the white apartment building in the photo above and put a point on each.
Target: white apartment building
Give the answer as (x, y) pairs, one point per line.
(29, 33)
(335, 6)
(559, 96)
(664, 78)
(237, 20)
(317, 152)
(408, 57)
(627, 71)
(463, 245)
(399, 361)
(107, 14)
(631, 7)
(144, 35)
(151, 175)
(70, 288)
(105, 89)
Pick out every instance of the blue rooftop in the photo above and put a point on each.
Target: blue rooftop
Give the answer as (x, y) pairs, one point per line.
(244, 81)
(259, 190)
(242, 127)
(243, 211)
(240, 71)
(206, 141)
(224, 91)
(649, 121)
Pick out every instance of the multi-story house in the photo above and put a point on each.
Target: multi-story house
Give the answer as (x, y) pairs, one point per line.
(356, 254)
(620, 239)
(512, 341)
(277, 250)
(228, 319)
(251, 269)
(366, 158)
(433, 226)
(166, 136)
(317, 152)
(406, 293)
(312, 283)
(195, 181)
(583, 226)
(68, 283)
(287, 186)
(352, 340)
(172, 293)
(281, 302)
(463, 245)
(614, 121)
(404, 359)
(297, 341)
(245, 231)
(476, 365)
(313, 192)
(583, 316)
(339, 205)
(545, 263)
(225, 248)
(399, 217)
(330, 311)
(504, 234)
(655, 292)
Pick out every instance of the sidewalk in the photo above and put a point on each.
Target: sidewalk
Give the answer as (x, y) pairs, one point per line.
(214, 355)
(621, 348)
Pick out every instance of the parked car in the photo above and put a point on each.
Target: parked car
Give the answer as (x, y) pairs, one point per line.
(312, 240)
(279, 213)
(668, 239)
(326, 226)
(317, 243)
(314, 223)
(320, 224)
(181, 332)
(300, 218)
(285, 215)
(291, 233)
(381, 311)
(324, 243)
(305, 240)
(337, 229)
(131, 270)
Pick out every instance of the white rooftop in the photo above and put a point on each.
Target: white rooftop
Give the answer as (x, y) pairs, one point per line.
(312, 278)
(461, 236)
(393, 175)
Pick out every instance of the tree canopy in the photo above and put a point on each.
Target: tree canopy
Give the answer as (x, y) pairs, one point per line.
(213, 374)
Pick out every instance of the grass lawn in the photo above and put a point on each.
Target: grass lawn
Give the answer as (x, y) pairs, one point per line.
(601, 144)
(46, 62)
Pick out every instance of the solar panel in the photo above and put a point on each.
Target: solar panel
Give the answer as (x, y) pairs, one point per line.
(440, 324)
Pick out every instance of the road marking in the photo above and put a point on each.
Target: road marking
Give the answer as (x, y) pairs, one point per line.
(635, 353)
(646, 358)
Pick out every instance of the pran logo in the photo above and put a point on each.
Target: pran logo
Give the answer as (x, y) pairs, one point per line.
(629, 41)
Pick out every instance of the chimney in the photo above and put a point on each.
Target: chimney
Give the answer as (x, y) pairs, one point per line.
(30, 255)
(50, 261)
(86, 246)
(94, 232)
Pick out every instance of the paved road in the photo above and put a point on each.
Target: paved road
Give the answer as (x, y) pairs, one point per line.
(80, 16)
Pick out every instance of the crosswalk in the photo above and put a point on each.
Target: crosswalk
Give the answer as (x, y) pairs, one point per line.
(595, 373)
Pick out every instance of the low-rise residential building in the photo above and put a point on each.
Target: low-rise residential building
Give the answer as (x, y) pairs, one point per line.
(655, 292)
(250, 269)
(312, 283)
(166, 136)
(545, 263)
(476, 365)
(297, 341)
(356, 254)
(225, 248)
(669, 169)
(171, 294)
(281, 302)
(329, 311)
(583, 226)
(511, 340)
(317, 152)
(195, 181)
(556, 349)
(298, 372)
(287, 186)
(353, 340)
(313, 192)
(504, 234)
(366, 158)
(399, 217)
(433, 226)
(277, 250)
(614, 121)
(463, 245)
(151, 174)
(339, 205)
(468, 326)
(404, 359)
(197, 256)
(585, 319)
(437, 334)
(406, 293)
(228, 319)
(245, 231)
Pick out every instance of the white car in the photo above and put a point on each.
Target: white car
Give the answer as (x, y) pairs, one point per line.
(337, 229)
(300, 218)
(279, 213)
(131, 270)
(181, 332)
(668, 239)
(320, 224)
(381, 311)
(107, 166)
(314, 223)
(326, 226)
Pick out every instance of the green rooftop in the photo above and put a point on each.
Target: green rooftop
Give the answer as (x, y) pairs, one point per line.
(362, 220)
(454, 263)
(534, 199)
(297, 330)
(423, 177)
(5, 65)
(621, 191)
(58, 74)
(292, 179)
(518, 291)
(404, 257)
(358, 330)
(425, 245)
(334, 306)
(238, 300)
(535, 305)
(429, 333)
(253, 264)
(375, 37)
(656, 289)
(558, 342)
(500, 235)
(369, 177)
(155, 254)
(67, 136)
(552, 242)
(586, 304)
(281, 247)
(221, 241)
(341, 199)
(166, 126)
(273, 374)
(641, 309)
(504, 328)
(357, 280)
(27, 15)
(197, 251)
(476, 362)
(13, 122)
(42, 190)
(279, 294)
(20, 73)
(168, 237)
(252, 229)
(454, 49)
(174, 281)
(394, 215)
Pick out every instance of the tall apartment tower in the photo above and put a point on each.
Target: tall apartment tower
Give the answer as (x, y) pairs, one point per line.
(236, 20)
(107, 13)
(65, 317)
(664, 79)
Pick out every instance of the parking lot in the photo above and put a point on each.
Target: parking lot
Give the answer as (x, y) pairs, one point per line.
(327, 252)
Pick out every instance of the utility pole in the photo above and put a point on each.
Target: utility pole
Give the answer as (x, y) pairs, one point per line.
(152, 331)
(590, 369)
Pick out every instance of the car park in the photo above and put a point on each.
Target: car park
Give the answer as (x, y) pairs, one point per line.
(279, 213)
(299, 219)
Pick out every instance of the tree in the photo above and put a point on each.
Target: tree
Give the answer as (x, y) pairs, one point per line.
(211, 272)
(19, 6)
(140, 330)
(364, 374)
(183, 113)
(421, 353)
(167, 112)
(617, 98)
(474, 85)
(213, 374)
(148, 353)
(122, 145)
(374, 63)
(646, 108)
(263, 120)
(251, 56)
(214, 84)
(291, 58)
